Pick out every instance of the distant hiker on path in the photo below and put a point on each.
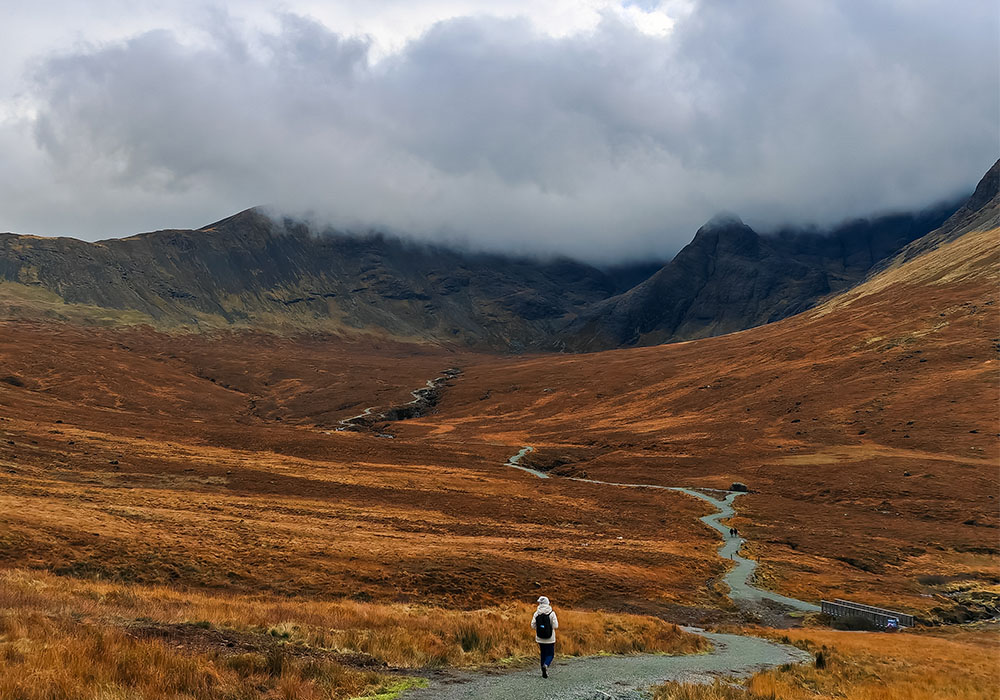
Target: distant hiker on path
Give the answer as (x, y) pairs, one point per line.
(545, 623)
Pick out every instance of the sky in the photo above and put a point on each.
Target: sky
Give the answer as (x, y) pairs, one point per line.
(598, 129)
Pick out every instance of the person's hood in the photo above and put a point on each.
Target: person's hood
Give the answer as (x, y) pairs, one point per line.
(543, 608)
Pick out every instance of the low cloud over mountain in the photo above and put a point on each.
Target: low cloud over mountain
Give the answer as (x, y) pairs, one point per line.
(602, 144)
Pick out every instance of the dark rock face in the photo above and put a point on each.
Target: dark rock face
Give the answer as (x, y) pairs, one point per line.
(981, 212)
(730, 278)
(250, 270)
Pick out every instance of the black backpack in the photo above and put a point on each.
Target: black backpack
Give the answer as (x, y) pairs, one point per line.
(543, 625)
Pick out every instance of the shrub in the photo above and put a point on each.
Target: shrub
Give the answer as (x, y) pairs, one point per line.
(471, 639)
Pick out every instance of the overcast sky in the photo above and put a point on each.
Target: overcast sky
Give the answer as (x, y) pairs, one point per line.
(594, 128)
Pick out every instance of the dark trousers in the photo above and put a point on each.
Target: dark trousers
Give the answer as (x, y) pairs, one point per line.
(547, 652)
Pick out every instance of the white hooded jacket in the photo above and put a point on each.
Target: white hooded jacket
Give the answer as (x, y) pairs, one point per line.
(544, 607)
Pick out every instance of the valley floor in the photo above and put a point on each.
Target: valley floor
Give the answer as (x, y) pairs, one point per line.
(187, 503)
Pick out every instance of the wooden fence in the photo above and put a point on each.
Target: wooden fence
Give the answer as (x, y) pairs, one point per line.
(877, 616)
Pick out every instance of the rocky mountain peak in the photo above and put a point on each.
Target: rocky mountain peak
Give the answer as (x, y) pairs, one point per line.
(725, 232)
(723, 220)
(266, 272)
(987, 190)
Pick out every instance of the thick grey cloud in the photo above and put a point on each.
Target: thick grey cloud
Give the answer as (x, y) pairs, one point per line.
(602, 144)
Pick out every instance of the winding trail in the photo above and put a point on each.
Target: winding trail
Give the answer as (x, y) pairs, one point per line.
(515, 462)
(739, 576)
(617, 677)
(627, 677)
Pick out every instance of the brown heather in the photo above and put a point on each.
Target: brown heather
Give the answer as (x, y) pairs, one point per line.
(67, 638)
(959, 663)
(257, 552)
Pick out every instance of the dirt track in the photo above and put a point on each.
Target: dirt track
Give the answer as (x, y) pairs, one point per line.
(618, 677)
(738, 578)
(625, 677)
(741, 591)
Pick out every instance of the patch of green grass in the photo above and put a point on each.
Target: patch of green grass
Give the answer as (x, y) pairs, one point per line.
(395, 689)
(511, 661)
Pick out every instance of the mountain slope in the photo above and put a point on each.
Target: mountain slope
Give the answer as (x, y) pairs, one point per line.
(251, 271)
(963, 250)
(730, 278)
(866, 428)
(867, 434)
(981, 212)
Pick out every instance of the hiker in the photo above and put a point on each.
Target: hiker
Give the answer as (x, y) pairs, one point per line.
(544, 622)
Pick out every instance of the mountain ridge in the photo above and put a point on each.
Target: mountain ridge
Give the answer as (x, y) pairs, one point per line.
(250, 270)
(730, 278)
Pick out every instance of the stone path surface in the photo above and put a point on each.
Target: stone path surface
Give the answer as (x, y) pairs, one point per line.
(617, 677)
(739, 576)
(515, 462)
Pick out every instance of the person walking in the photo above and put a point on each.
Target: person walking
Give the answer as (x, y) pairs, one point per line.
(545, 623)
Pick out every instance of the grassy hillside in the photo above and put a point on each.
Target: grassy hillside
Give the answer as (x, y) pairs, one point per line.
(180, 515)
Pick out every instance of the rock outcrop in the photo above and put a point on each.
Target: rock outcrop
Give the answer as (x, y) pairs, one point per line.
(730, 278)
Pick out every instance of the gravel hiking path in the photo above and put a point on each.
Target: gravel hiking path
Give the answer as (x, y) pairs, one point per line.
(616, 677)
(739, 576)
(741, 591)
(515, 462)
(628, 677)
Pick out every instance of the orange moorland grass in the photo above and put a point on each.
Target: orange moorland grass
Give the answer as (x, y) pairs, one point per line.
(959, 663)
(46, 620)
(56, 658)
